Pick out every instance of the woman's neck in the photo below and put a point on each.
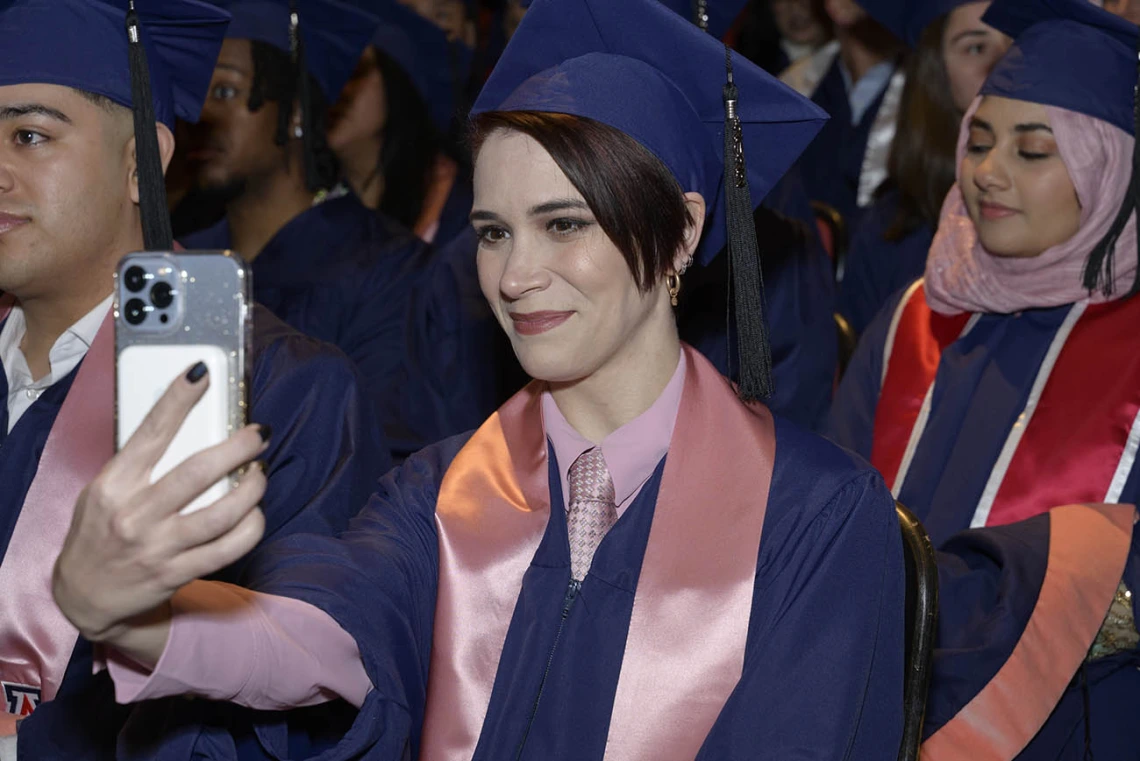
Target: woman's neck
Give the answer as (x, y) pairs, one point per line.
(625, 386)
(360, 163)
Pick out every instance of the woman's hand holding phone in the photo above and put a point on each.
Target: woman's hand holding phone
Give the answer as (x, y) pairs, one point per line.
(129, 549)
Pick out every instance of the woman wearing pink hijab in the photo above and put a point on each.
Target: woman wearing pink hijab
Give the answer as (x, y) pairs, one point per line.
(1000, 398)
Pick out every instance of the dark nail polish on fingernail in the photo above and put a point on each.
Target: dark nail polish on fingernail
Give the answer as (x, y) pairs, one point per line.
(266, 431)
(197, 372)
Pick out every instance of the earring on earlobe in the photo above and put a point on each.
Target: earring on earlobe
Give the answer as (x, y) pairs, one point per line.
(685, 265)
(298, 132)
(673, 286)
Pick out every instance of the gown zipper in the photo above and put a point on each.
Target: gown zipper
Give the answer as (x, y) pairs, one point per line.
(567, 603)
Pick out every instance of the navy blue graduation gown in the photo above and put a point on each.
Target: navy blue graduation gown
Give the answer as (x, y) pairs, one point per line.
(877, 268)
(454, 217)
(831, 165)
(455, 372)
(324, 459)
(799, 291)
(818, 669)
(990, 577)
(347, 275)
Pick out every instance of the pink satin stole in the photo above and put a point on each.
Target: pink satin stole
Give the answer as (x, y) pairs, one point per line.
(684, 651)
(36, 640)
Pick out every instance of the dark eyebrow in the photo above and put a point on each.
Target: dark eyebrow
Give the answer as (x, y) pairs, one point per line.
(561, 204)
(549, 207)
(232, 67)
(1033, 127)
(478, 215)
(18, 110)
(977, 123)
(969, 33)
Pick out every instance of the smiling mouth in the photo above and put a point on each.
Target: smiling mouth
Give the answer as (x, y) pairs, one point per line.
(989, 210)
(534, 323)
(9, 222)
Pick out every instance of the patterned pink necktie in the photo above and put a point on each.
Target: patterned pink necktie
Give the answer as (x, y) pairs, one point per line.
(592, 510)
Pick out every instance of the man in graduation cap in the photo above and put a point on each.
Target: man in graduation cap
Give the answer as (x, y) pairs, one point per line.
(321, 261)
(627, 560)
(81, 186)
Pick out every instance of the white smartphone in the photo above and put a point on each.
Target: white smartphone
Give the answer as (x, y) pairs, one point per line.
(173, 310)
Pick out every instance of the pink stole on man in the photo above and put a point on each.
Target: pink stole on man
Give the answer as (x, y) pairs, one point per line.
(693, 598)
(36, 640)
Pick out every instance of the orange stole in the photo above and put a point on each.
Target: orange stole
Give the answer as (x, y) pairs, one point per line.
(694, 595)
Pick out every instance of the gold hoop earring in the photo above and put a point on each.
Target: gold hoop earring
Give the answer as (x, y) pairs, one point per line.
(673, 285)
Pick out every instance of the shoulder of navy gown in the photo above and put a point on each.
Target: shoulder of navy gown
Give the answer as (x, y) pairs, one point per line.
(831, 165)
(851, 421)
(454, 217)
(876, 267)
(829, 595)
(799, 294)
(348, 275)
(453, 367)
(213, 238)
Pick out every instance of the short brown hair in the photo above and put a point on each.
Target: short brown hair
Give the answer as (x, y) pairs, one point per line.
(636, 199)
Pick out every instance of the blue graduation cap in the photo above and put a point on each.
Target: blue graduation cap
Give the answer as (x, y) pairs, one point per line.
(423, 51)
(334, 33)
(83, 44)
(1066, 53)
(1074, 55)
(906, 19)
(156, 60)
(640, 68)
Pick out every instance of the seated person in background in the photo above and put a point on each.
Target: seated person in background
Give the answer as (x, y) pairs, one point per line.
(324, 263)
(953, 52)
(391, 128)
(999, 398)
(519, 592)
(860, 90)
(803, 26)
(80, 187)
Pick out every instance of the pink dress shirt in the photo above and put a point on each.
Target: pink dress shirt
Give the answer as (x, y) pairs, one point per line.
(271, 653)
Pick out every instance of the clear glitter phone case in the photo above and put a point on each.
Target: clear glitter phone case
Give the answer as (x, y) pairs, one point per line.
(173, 310)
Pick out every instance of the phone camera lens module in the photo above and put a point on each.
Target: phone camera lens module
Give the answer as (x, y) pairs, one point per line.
(135, 311)
(135, 279)
(162, 295)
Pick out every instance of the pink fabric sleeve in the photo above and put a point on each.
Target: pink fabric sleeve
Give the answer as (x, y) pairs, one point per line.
(257, 650)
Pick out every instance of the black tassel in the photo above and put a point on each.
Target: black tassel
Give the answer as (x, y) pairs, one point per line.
(1099, 267)
(744, 256)
(157, 234)
(305, 102)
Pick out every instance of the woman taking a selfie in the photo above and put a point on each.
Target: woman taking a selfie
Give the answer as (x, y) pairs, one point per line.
(1000, 395)
(624, 560)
